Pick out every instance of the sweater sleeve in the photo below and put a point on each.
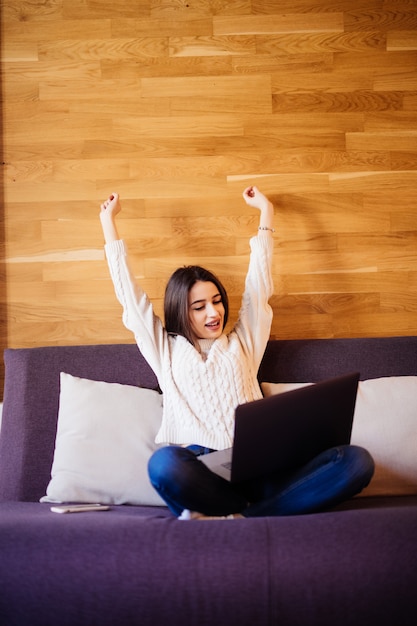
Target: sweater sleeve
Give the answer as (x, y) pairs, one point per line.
(255, 316)
(138, 314)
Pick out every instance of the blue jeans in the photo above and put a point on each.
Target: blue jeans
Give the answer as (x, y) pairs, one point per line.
(184, 482)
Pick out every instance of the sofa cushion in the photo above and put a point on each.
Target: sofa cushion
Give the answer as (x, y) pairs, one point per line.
(140, 566)
(385, 423)
(105, 436)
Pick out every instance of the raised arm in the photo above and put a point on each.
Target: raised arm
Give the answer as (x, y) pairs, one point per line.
(109, 209)
(255, 315)
(138, 314)
(255, 198)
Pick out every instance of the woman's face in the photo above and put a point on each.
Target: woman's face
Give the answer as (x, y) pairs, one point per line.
(206, 310)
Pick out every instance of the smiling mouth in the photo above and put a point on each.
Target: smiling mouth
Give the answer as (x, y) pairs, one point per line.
(213, 325)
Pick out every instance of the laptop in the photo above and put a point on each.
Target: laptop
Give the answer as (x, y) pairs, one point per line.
(282, 432)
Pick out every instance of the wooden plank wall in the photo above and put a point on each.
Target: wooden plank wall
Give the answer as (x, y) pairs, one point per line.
(178, 105)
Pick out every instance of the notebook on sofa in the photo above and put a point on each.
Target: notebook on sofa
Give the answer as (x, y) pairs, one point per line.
(284, 431)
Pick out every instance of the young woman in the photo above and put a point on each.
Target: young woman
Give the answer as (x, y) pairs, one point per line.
(204, 374)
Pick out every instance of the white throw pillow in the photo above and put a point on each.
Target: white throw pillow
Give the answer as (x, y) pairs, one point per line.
(105, 436)
(385, 423)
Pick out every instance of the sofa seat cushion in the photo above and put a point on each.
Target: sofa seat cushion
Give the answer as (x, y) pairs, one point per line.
(158, 570)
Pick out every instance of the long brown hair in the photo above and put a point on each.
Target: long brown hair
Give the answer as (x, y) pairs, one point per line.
(176, 309)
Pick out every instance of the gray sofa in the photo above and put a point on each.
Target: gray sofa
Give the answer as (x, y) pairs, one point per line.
(355, 564)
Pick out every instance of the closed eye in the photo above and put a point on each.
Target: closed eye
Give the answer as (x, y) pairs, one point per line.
(202, 306)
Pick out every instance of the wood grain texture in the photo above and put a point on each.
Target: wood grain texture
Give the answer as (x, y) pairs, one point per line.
(178, 105)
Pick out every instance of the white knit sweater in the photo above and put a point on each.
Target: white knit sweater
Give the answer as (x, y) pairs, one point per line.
(201, 388)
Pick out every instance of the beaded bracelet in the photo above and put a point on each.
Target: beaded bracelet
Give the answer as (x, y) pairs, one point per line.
(266, 228)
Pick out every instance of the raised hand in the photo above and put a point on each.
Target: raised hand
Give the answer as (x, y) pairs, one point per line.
(255, 198)
(111, 205)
